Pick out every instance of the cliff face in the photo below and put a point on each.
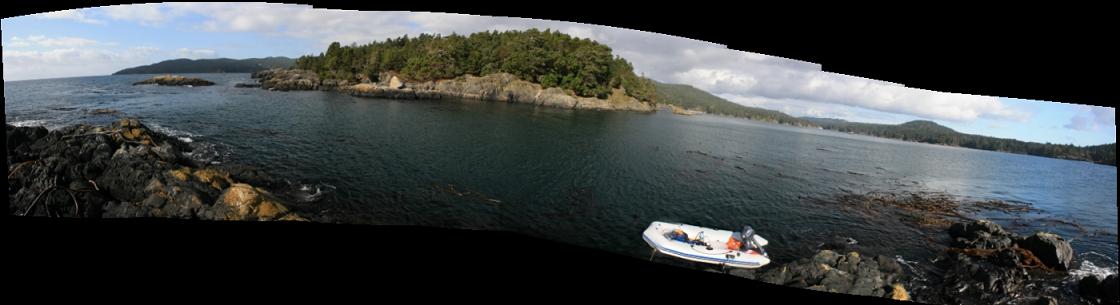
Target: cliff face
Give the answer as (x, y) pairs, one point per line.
(498, 87)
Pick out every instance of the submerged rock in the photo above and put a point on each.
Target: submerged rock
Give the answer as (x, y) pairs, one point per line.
(123, 170)
(174, 80)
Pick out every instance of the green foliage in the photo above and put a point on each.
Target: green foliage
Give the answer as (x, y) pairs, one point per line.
(688, 97)
(930, 132)
(218, 65)
(550, 58)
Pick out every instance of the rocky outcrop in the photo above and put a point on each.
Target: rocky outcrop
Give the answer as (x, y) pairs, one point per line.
(849, 273)
(174, 80)
(988, 265)
(505, 87)
(498, 87)
(287, 79)
(124, 170)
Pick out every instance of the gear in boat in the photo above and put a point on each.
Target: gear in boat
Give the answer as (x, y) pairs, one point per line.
(743, 249)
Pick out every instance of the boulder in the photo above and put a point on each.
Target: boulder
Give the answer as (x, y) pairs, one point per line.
(395, 82)
(826, 257)
(974, 229)
(250, 203)
(1050, 248)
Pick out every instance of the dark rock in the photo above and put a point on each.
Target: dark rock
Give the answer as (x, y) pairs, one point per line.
(1089, 286)
(1045, 300)
(849, 262)
(174, 80)
(778, 276)
(1108, 289)
(826, 257)
(122, 170)
(888, 265)
(1050, 248)
(246, 85)
(837, 280)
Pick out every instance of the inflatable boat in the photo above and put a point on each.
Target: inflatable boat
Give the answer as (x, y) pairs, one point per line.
(705, 245)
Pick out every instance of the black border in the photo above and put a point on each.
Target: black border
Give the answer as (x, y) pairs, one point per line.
(996, 52)
(1049, 53)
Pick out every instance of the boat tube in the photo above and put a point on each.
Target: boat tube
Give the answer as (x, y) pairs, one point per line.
(706, 245)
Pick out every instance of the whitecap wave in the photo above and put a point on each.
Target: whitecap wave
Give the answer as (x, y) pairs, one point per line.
(310, 192)
(29, 123)
(1101, 268)
(170, 131)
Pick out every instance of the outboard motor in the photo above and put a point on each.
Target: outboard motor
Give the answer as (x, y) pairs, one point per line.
(748, 239)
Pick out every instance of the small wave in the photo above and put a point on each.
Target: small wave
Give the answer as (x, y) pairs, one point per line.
(910, 265)
(29, 123)
(171, 132)
(207, 152)
(1104, 266)
(311, 192)
(186, 139)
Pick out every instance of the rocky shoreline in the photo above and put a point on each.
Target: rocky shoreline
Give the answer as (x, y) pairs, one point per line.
(174, 80)
(983, 264)
(127, 170)
(498, 87)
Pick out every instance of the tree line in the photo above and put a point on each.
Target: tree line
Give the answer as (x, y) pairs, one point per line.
(550, 58)
(930, 132)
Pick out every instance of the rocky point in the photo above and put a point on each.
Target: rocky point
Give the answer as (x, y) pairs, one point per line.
(127, 170)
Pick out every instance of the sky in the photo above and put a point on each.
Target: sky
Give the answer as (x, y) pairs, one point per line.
(102, 40)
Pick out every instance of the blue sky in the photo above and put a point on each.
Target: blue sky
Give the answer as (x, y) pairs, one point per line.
(100, 41)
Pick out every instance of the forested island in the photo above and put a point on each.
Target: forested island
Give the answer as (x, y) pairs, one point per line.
(219, 65)
(551, 59)
(931, 132)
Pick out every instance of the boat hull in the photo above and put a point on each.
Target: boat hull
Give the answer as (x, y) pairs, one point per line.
(716, 251)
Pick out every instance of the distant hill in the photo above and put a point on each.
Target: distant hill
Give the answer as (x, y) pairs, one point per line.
(689, 97)
(219, 65)
(931, 132)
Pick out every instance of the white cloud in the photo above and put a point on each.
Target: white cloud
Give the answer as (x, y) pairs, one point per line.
(43, 41)
(1092, 118)
(70, 62)
(72, 14)
(775, 82)
(147, 14)
(194, 53)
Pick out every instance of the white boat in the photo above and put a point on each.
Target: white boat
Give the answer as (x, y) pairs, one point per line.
(707, 245)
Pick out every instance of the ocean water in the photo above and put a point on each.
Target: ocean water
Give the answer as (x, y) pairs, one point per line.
(590, 178)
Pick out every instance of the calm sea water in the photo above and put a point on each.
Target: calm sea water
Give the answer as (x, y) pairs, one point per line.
(584, 177)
